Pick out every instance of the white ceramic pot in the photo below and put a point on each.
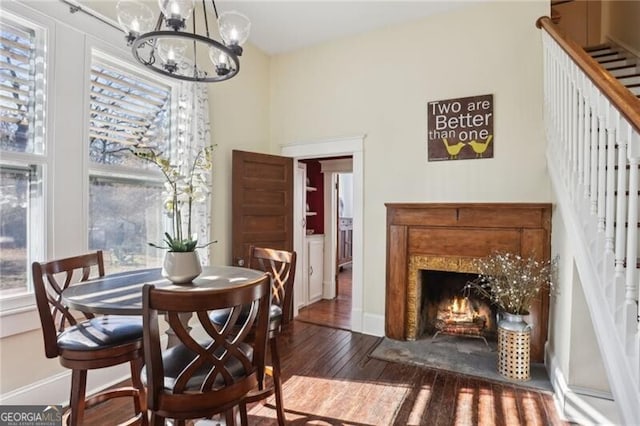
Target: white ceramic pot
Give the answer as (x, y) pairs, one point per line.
(181, 267)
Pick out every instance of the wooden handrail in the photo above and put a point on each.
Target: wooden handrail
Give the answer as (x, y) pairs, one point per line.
(620, 96)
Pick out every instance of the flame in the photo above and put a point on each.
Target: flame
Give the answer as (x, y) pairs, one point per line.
(459, 305)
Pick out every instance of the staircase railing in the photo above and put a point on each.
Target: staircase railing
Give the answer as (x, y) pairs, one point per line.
(593, 133)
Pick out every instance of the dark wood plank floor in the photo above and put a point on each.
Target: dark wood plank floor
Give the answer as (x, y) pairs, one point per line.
(330, 380)
(333, 313)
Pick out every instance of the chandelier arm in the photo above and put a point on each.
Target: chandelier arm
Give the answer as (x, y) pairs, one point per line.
(195, 55)
(215, 9)
(159, 22)
(206, 20)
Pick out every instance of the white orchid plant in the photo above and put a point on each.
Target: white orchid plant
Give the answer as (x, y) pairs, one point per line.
(184, 189)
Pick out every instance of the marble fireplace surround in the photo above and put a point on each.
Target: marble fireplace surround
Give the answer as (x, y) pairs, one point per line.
(449, 237)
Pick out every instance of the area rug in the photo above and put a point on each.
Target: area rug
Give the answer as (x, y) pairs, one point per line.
(458, 355)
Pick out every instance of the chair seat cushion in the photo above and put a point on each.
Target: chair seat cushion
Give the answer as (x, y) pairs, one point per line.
(176, 358)
(220, 316)
(102, 332)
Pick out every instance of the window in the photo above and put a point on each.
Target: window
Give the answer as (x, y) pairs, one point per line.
(125, 194)
(22, 156)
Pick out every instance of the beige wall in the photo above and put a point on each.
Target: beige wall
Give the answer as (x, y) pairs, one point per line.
(621, 22)
(379, 84)
(239, 111)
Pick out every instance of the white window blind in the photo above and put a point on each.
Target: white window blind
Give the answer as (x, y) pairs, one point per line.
(23, 159)
(17, 87)
(125, 110)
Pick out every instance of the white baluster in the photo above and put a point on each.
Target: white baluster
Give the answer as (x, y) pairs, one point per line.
(580, 135)
(630, 314)
(593, 136)
(602, 161)
(611, 120)
(573, 131)
(587, 139)
(624, 130)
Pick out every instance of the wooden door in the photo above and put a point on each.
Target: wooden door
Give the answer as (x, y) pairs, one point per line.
(262, 199)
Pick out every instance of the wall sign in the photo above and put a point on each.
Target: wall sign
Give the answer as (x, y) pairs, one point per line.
(460, 129)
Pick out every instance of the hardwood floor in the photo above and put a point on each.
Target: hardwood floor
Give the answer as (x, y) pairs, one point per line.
(332, 313)
(330, 380)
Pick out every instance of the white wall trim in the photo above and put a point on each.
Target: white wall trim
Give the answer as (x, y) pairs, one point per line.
(353, 146)
(322, 148)
(18, 321)
(54, 390)
(373, 324)
(570, 403)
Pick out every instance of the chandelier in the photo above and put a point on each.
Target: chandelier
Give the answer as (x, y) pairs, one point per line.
(178, 44)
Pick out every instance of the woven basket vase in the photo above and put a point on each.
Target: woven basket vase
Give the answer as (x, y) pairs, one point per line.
(514, 344)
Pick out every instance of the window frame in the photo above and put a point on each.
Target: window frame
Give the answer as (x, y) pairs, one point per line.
(150, 175)
(39, 221)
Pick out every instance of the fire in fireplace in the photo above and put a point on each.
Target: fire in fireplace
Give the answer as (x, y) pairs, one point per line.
(446, 309)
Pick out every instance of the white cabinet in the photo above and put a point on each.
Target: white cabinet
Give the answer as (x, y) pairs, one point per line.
(314, 267)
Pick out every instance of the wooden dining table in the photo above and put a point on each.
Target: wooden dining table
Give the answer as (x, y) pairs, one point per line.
(121, 293)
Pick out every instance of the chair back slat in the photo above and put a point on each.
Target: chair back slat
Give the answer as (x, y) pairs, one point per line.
(281, 265)
(221, 362)
(55, 316)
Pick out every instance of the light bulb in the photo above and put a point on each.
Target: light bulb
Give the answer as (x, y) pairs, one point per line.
(170, 52)
(135, 26)
(220, 60)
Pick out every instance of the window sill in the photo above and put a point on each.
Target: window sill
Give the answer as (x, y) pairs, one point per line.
(19, 320)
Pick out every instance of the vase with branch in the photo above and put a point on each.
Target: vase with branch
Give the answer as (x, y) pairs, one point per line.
(185, 185)
(511, 283)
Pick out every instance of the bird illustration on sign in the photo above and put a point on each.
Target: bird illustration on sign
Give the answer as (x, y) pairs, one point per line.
(478, 147)
(454, 149)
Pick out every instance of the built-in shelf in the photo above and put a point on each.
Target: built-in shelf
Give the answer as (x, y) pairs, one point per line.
(311, 213)
(311, 188)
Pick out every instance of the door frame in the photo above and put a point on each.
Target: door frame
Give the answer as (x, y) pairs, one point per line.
(345, 146)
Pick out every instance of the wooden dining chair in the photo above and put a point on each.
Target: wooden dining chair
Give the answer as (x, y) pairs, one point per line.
(281, 265)
(90, 342)
(211, 373)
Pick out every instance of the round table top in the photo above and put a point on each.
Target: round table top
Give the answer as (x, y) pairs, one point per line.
(121, 293)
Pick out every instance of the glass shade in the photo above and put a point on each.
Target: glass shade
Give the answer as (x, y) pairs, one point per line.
(176, 9)
(134, 17)
(234, 28)
(220, 59)
(171, 49)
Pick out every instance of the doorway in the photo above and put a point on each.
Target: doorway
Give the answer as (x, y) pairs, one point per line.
(333, 309)
(344, 147)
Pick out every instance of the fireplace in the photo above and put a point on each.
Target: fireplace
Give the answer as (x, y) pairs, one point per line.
(449, 238)
(446, 308)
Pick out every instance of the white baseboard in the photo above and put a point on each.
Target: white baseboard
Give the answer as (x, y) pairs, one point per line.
(373, 324)
(54, 390)
(576, 404)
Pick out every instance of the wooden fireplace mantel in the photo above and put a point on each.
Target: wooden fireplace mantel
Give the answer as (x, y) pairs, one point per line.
(463, 231)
